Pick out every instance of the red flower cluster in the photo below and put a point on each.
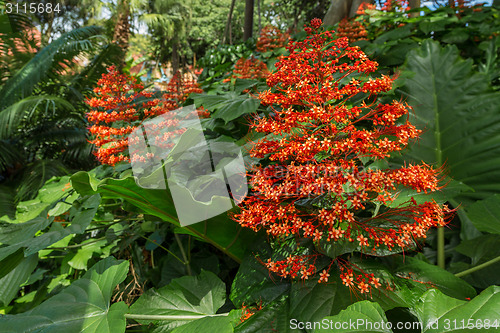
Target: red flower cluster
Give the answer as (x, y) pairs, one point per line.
(248, 311)
(251, 68)
(396, 6)
(271, 38)
(293, 266)
(365, 6)
(117, 110)
(351, 29)
(317, 148)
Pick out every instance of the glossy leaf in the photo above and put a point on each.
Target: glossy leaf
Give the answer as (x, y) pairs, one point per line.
(485, 214)
(254, 283)
(219, 231)
(181, 300)
(82, 307)
(228, 106)
(11, 282)
(481, 250)
(312, 301)
(364, 316)
(16, 236)
(460, 133)
(207, 325)
(274, 317)
(436, 277)
(439, 313)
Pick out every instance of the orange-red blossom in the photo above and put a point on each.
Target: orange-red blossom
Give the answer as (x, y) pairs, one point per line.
(120, 103)
(317, 141)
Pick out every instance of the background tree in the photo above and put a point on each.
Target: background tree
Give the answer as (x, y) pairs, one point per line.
(248, 27)
(121, 33)
(342, 8)
(168, 22)
(292, 14)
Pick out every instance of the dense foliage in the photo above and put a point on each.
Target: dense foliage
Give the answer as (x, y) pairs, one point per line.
(372, 152)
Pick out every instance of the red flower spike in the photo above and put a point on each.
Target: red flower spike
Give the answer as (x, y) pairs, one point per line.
(317, 152)
(114, 113)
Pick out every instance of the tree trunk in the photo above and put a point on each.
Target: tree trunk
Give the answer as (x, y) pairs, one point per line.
(175, 56)
(258, 14)
(122, 28)
(337, 11)
(414, 4)
(342, 8)
(248, 25)
(227, 31)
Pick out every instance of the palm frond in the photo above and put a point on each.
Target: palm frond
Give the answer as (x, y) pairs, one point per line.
(38, 68)
(11, 117)
(9, 156)
(36, 174)
(7, 201)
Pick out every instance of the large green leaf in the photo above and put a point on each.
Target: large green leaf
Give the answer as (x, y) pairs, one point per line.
(480, 250)
(439, 313)
(220, 231)
(11, 282)
(184, 300)
(22, 235)
(312, 301)
(364, 316)
(458, 111)
(7, 199)
(207, 325)
(436, 312)
(485, 214)
(228, 106)
(436, 277)
(253, 282)
(82, 307)
(274, 317)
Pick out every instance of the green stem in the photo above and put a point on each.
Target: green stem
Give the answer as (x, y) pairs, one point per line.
(183, 253)
(167, 218)
(164, 248)
(440, 247)
(377, 208)
(478, 267)
(76, 245)
(165, 317)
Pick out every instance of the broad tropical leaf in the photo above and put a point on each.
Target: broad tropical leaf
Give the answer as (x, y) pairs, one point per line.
(184, 300)
(481, 250)
(458, 112)
(485, 214)
(220, 231)
(228, 106)
(11, 282)
(82, 307)
(22, 235)
(364, 316)
(439, 313)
